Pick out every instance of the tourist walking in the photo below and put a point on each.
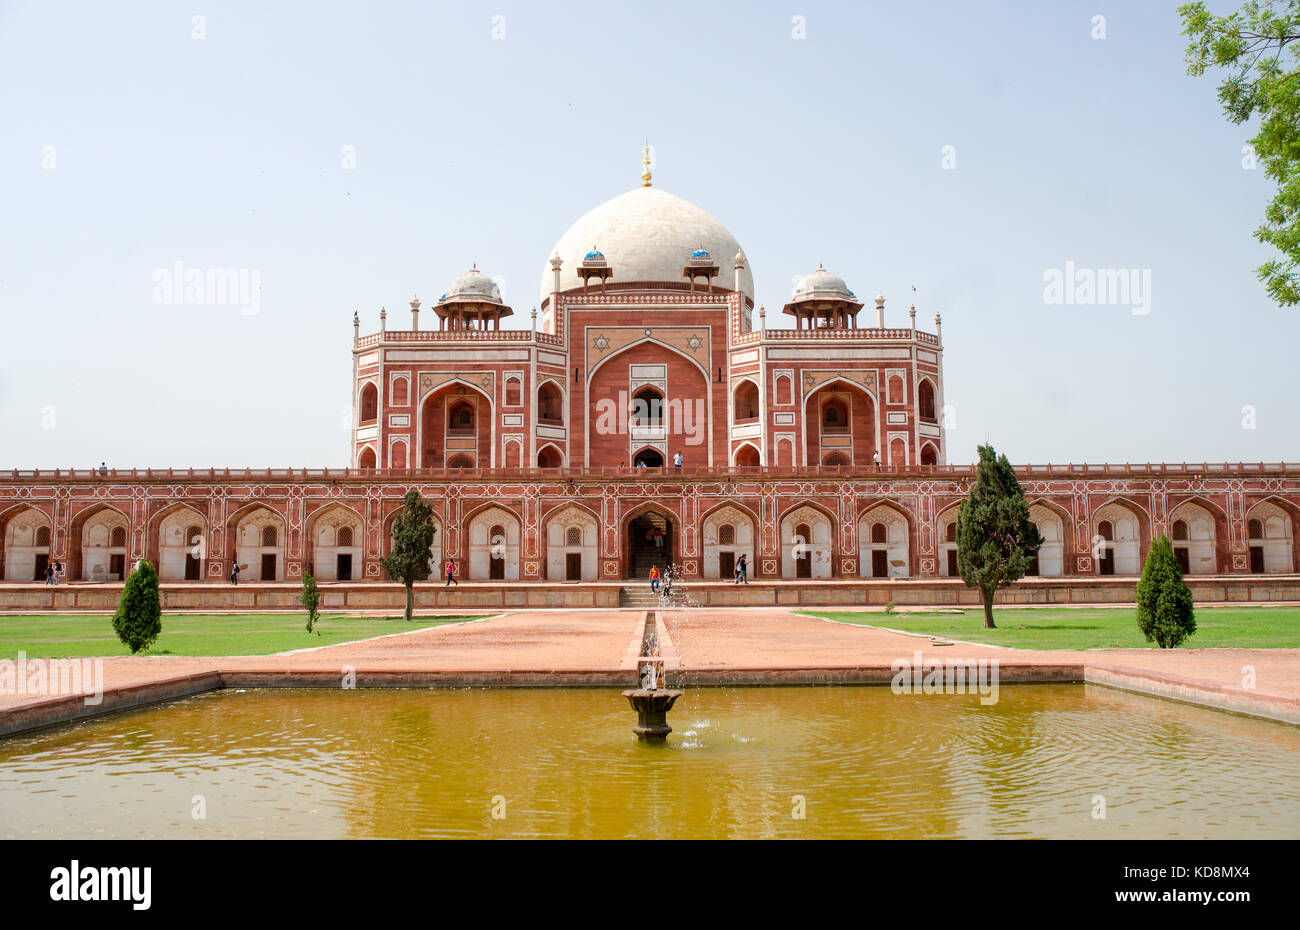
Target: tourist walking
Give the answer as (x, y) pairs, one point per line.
(654, 578)
(875, 457)
(659, 539)
(742, 571)
(234, 571)
(451, 574)
(677, 459)
(58, 573)
(49, 573)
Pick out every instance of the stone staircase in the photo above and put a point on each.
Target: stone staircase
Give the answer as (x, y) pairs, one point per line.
(639, 595)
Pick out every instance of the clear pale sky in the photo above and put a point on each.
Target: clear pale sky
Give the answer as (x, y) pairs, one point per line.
(130, 145)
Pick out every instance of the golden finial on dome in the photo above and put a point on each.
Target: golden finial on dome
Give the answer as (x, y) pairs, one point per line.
(645, 163)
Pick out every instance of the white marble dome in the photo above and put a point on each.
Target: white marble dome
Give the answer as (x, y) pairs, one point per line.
(646, 235)
(821, 285)
(472, 285)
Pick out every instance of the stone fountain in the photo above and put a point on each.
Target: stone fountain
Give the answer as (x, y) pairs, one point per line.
(651, 702)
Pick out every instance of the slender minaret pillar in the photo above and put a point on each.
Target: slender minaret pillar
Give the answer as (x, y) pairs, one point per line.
(740, 266)
(880, 311)
(415, 314)
(533, 314)
(383, 320)
(356, 328)
(938, 328)
(762, 317)
(911, 312)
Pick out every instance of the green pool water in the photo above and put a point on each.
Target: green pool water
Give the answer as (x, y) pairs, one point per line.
(854, 761)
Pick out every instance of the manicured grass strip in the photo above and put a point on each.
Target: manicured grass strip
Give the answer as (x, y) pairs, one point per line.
(1089, 627)
(66, 636)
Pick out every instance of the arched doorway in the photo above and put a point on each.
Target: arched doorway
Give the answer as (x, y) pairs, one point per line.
(884, 540)
(747, 456)
(1049, 561)
(335, 535)
(650, 458)
(181, 545)
(1192, 533)
(571, 536)
(1117, 540)
(259, 538)
(103, 546)
(839, 418)
(650, 542)
(494, 545)
(550, 403)
(1270, 535)
(549, 457)
(744, 403)
(27, 545)
(728, 535)
(456, 426)
(806, 536)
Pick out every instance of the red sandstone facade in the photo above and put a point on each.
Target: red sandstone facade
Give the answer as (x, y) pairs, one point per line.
(319, 517)
(816, 451)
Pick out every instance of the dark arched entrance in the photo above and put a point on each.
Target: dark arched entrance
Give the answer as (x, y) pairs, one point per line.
(650, 458)
(649, 541)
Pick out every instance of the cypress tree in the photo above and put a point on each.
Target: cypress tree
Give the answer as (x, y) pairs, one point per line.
(1164, 602)
(412, 537)
(310, 598)
(995, 538)
(138, 619)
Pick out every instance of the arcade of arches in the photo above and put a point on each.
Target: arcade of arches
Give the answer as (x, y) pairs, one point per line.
(563, 535)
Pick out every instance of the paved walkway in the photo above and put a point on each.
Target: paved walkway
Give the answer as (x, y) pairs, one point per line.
(596, 642)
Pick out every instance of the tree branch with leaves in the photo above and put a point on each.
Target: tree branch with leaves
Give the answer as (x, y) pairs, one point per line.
(1259, 48)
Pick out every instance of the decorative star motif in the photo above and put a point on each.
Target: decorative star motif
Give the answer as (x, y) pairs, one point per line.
(601, 342)
(695, 342)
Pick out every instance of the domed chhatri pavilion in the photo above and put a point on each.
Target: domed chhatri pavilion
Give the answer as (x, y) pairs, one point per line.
(816, 450)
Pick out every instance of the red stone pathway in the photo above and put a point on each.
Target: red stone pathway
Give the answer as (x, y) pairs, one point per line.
(783, 644)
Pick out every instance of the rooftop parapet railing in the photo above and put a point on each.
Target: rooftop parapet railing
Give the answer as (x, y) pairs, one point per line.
(837, 335)
(514, 336)
(457, 335)
(698, 472)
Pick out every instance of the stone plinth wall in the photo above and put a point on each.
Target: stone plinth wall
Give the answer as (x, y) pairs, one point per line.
(477, 596)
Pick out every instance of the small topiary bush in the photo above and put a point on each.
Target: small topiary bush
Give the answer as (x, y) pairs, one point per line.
(1164, 602)
(138, 620)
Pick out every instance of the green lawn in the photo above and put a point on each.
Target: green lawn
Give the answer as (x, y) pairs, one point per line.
(1089, 627)
(65, 636)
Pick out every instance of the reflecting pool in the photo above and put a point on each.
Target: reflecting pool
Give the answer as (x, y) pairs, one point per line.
(745, 762)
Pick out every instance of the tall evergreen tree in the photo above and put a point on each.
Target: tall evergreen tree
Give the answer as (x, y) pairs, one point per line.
(412, 536)
(138, 619)
(995, 539)
(310, 598)
(1164, 602)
